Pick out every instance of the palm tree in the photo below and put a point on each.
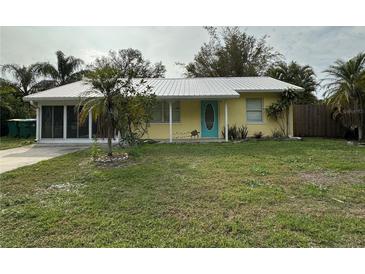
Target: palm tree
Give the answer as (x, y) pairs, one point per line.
(346, 91)
(25, 78)
(67, 70)
(279, 111)
(296, 74)
(101, 99)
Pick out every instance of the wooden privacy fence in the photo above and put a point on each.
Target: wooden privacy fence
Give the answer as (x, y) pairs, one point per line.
(316, 121)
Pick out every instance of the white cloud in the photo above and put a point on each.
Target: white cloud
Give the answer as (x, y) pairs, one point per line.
(316, 46)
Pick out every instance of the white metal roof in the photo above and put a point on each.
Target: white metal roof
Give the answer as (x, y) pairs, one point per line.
(183, 88)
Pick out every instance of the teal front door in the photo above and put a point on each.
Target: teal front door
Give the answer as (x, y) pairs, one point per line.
(209, 119)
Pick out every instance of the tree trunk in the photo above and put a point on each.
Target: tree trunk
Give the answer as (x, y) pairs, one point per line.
(110, 151)
(130, 134)
(287, 122)
(110, 128)
(361, 124)
(110, 148)
(360, 132)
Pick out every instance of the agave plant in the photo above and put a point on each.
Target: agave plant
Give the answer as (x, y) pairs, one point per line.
(236, 133)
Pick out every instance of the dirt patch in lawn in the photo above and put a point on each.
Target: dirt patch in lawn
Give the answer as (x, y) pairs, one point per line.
(332, 177)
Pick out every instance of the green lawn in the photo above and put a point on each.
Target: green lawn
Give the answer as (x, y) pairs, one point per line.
(252, 194)
(9, 142)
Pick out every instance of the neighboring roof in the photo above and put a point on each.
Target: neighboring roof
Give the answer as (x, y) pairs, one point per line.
(183, 88)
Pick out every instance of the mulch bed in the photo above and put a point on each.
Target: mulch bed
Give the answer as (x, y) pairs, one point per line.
(118, 159)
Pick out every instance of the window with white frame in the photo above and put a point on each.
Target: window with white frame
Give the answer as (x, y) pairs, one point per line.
(160, 112)
(254, 110)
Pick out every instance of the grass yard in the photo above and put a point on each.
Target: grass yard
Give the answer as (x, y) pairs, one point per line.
(253, 194)
(9, 142)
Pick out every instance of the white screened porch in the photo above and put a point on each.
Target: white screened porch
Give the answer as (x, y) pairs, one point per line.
(57, 122)
(54, 124)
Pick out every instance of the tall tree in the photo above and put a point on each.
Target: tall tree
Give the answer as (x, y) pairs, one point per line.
(131, 63)
(68, 70)
(12, 106)
(296, 74)
(232, 52)
(117, 103)
(136, 105)
(24, 79)
(20, 81)
(346, 91)
(101, 98)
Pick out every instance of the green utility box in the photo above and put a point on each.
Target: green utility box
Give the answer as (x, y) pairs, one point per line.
(13, 128)
(23, 128)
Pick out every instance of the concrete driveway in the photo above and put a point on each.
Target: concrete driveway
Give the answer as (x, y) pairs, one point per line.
(23, 156)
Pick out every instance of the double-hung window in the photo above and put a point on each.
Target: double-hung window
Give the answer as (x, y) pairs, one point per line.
(254, 110)
(161, 111)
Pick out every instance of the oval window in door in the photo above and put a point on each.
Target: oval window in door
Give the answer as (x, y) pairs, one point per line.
(209, 116)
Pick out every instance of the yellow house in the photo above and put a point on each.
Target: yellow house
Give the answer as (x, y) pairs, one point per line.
(207, 106)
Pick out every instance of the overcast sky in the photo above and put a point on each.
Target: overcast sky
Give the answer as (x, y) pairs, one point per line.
(316, 46)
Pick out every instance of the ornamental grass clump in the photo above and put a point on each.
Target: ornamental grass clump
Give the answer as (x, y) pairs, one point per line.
(236, 133)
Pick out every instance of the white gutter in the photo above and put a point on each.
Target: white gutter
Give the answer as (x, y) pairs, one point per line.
(158, 97)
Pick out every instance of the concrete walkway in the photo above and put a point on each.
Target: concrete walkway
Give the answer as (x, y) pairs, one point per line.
(23, 156)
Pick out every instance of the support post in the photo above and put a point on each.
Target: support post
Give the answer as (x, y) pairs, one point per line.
(170, 120)
(226, 120)
(90, 125)
(64, 122)
(37, 124)
(40, 122)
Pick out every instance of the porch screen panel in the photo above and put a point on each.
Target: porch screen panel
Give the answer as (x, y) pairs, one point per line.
(58, 122)
(84, 129)
(97, 131)
(74, 128)
(94, 129)
(71, 122)
(46, 122)
(52, 122)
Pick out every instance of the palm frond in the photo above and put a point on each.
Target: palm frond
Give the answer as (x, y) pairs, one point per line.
(345, 90)
(67, 67)
(46, 69)
(24, 76)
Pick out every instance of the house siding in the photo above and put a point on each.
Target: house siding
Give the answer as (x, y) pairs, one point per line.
(189, 120)
(237, 113)
(190, 117)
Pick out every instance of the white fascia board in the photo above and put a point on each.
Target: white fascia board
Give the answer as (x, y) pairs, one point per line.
(199, 97)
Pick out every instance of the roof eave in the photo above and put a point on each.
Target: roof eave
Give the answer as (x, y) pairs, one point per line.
(231, 96)
(37, 99)
(40, 99)
(266, 90)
